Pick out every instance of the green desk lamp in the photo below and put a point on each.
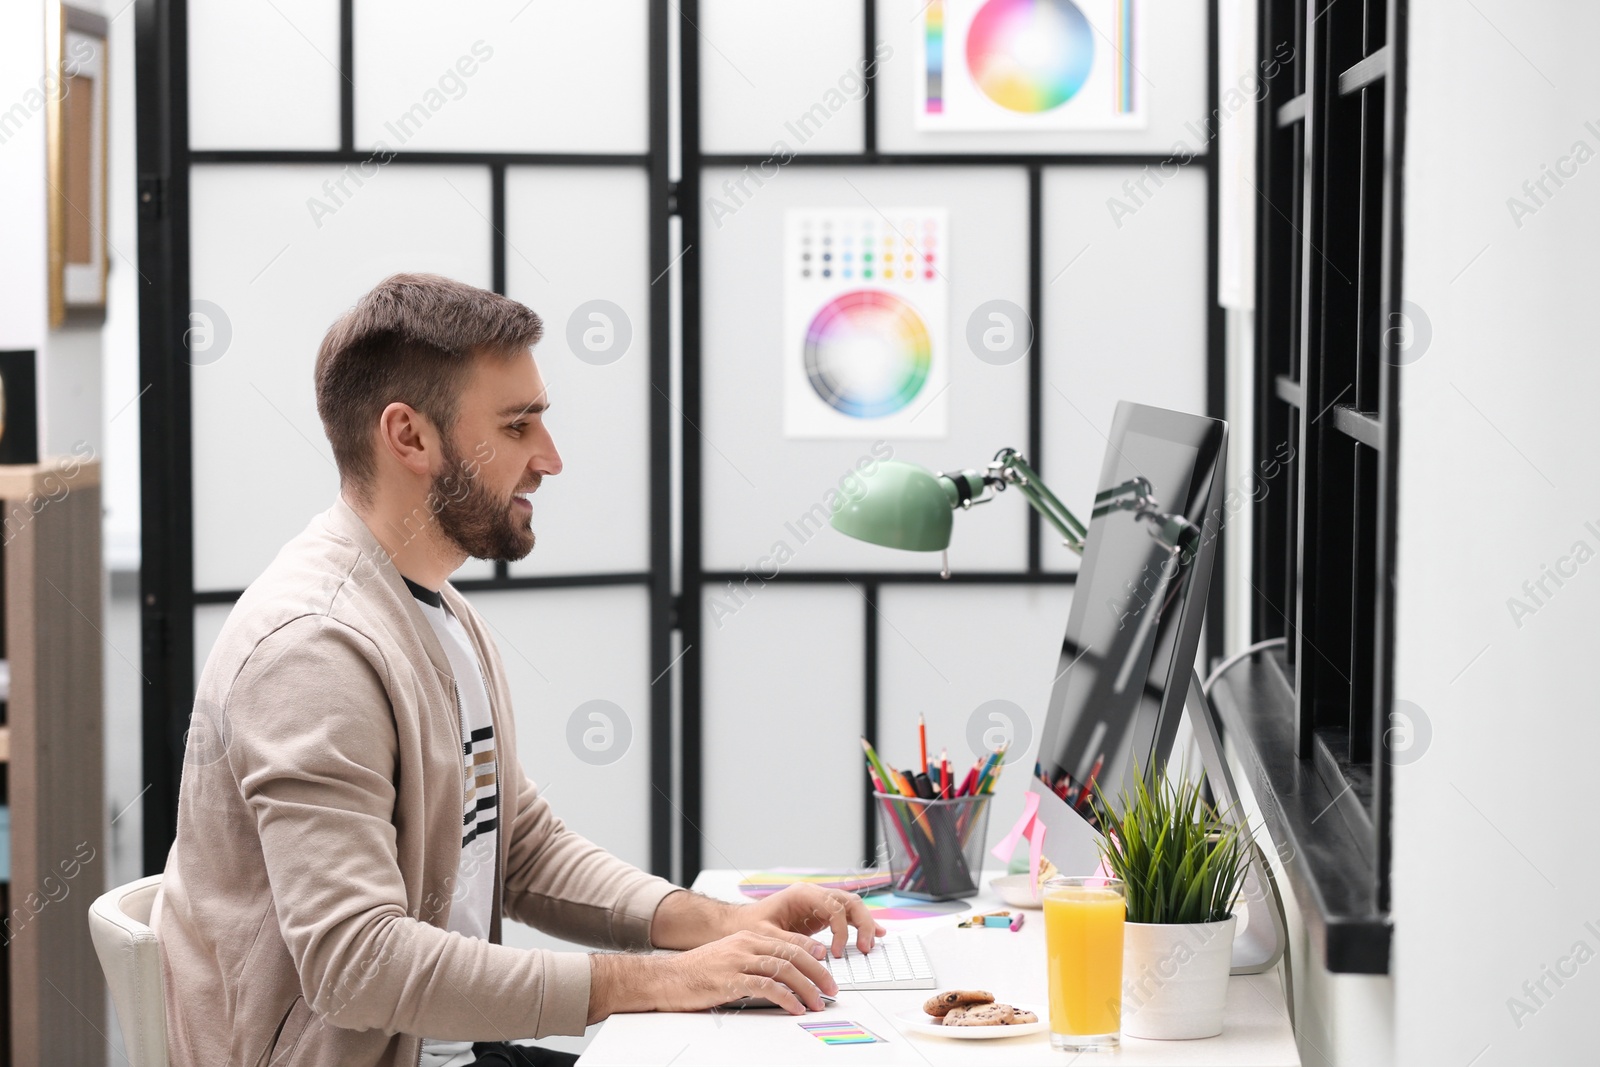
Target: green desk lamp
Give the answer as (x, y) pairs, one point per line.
(902, 505)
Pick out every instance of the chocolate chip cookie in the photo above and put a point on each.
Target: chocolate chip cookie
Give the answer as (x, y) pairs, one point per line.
(980, 1015)
(940, 1004)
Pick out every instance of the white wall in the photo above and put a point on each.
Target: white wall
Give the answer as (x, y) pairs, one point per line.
(1495, 873)
(22, 176)
(119, 371)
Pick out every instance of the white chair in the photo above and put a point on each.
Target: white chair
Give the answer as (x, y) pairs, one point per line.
(119, 922)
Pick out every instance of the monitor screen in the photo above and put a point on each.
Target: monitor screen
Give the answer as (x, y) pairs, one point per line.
(1137, 606)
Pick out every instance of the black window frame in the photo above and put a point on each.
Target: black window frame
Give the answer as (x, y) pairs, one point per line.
(1316, 711)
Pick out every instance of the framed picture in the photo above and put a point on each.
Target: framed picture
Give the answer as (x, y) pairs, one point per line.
(865, 310)
(1031, 65)
(77, 117)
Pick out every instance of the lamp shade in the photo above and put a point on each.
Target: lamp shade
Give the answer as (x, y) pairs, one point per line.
(900, 505)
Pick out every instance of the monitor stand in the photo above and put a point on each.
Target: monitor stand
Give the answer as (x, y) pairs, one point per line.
(1259, 945)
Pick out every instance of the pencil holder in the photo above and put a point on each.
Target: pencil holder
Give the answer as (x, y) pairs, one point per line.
(935, 846)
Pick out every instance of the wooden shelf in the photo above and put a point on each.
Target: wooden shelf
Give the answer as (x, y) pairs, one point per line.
(47, 479)
(51, 573)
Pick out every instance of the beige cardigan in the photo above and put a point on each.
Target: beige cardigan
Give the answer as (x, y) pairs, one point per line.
(301, 919)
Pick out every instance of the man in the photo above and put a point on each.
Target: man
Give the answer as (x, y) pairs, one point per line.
(353, 822)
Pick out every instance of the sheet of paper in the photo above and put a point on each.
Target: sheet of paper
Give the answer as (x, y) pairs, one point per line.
(865, 322)
(1031, 65)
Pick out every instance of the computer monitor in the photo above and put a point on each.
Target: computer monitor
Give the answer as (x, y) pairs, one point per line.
(1134, 626)
(1126, 671)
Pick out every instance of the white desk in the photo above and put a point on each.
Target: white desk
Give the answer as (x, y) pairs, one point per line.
(1010, 965)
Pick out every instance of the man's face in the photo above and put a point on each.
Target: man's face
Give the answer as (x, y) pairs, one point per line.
(498, 452)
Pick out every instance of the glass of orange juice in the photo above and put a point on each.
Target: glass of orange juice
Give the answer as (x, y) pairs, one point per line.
(1083, 920)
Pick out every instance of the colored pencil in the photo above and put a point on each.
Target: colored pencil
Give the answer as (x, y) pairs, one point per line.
(999, 765)
(877, 766)
(988, 767)
(922, 743)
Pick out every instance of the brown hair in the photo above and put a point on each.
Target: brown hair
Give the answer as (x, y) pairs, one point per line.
(412, 339)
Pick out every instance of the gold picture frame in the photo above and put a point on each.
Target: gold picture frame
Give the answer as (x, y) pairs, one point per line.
(77, 120)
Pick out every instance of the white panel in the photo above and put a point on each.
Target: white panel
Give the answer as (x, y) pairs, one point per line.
(502, 75)
(1172, 75)
(1125, 315)
(563, 648)
(783, 771)
(575, 236)
(277, 279)
(1498, 260)
(758, 484)
(263, 73)
(473, 569)
(208, 620)
(946, 652)
(773, 71)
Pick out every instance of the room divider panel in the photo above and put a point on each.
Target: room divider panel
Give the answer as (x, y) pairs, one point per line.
(292, 154)
(832, 637)
(594, 161)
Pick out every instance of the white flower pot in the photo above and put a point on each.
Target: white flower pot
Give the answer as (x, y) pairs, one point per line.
(1175, 978)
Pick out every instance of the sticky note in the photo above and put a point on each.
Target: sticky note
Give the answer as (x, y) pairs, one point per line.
(840, 1032)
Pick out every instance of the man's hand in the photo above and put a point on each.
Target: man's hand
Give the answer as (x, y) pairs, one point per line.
(806, 909)
(781, 967)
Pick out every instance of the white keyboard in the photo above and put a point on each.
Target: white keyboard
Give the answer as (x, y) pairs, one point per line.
(897, 961)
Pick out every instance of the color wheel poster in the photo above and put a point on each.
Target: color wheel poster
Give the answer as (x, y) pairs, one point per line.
(1030, 65)
(864, 322)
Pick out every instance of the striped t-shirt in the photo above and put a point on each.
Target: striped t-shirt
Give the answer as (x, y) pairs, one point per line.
(472, 906)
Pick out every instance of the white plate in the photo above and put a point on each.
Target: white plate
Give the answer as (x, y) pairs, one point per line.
(1016, 890)
(919, 1022)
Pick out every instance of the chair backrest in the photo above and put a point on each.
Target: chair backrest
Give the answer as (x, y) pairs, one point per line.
(119, 922)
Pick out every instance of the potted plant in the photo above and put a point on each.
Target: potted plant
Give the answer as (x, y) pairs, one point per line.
(1182, 864)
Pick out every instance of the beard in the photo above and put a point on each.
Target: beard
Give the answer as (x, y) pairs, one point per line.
(474, 517)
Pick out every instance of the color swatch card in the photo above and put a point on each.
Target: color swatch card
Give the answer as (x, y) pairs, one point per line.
(865, 307)
(891, 906)
(840, 1032)
(765, 883)
(1030, 65)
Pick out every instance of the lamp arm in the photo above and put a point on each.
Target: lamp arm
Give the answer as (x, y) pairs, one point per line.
(1010, 467)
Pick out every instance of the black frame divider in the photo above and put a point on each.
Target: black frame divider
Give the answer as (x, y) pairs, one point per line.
(166, 572)
(167, 593)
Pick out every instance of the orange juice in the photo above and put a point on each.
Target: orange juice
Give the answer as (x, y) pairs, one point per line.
(1083, 936)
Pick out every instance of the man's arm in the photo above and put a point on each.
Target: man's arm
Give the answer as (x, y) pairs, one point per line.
(744, 964)
(686, 919)
(563, 883)
(735, 950)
